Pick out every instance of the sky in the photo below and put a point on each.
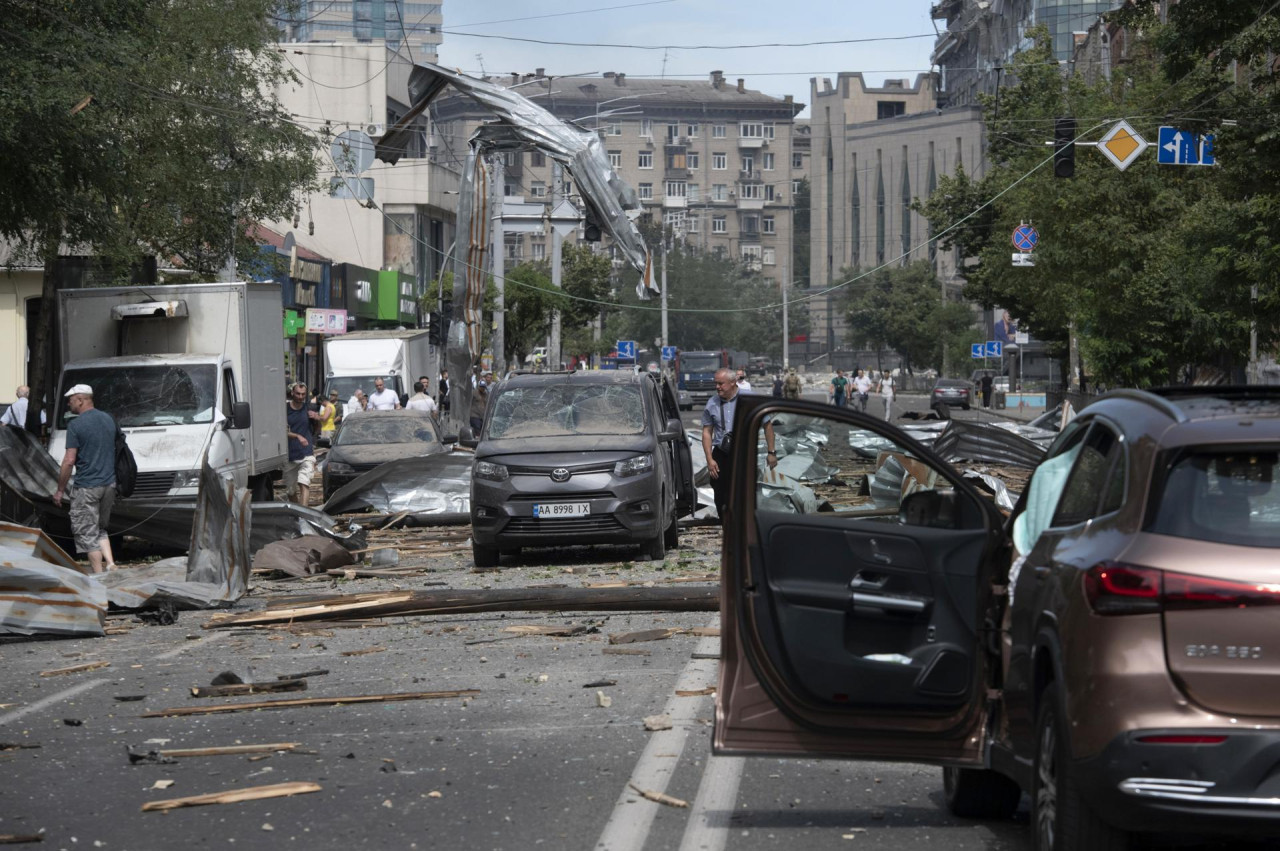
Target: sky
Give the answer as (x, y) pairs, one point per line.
(471, 43)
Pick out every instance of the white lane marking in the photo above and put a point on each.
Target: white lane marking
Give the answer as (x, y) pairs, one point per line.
(708, 827)
(628, 825)
(79, 688)
(46, 702)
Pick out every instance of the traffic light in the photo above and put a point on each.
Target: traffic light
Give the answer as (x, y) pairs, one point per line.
(1064, 148)
(434, 335)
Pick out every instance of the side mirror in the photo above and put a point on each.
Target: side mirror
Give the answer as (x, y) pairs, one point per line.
(449, 438)
(240, 418)
(673, 430)
(467, 438)
(929, 508)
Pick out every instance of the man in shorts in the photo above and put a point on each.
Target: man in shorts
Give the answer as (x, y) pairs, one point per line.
(91, 451)
(302, 457)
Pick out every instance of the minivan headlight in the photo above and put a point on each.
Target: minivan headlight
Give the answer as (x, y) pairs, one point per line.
(490, 471)
(634, 466)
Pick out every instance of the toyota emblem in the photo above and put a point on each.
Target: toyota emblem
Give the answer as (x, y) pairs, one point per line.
(560, 474)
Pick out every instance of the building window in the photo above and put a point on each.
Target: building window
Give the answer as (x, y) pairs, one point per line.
(719, 162)
(719, 192)
(676, 188)
(694, 192)
(537, 159)
(767, 162)
(615, 159)
(674, 219)
(511, 241)
(538, 251)
(692, 160)
(676, 159)
(750, 225)
(753, 191)
(768, 130)
(510, 190)
(751, 256)
(673, 133)
(795, 186)
(538, 189)
(748, 163)
(645, 191)
(768, 225)
(890, 108)
(692, 131)
(797, 160)
(693, 223)
(768, 192)
(717, 131)
(646, 159)
(769, 256)
(511, 159)
(646, 128)
(719, 224)
(615, 129)
(751, 130)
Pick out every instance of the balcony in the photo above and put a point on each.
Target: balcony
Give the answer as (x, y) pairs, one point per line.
(750, 142)
(750, 176)
(750, 203)
(674, 202)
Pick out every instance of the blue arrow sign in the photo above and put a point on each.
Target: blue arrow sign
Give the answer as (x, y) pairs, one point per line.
(995, 348)
(1025, 238)
(977, 351)
(1181, 147)
(668, 353)
(626, 350)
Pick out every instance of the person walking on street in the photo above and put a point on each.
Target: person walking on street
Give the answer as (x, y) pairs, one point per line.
(792, 386)
(717, 436)
(318, 411)
(479, 400)
(383, 399)
(886, 393)
(358, 403)
(777, 386)
(839, 385)
(91, 451)
(986, 384)
(744, 386)
(16, 414)
(301, 465)
(420, 401)
(443, 386)
(862, 390)
(330, 417)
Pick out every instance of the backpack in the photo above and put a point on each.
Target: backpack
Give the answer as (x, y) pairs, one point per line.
(792, 383)
(126, 467)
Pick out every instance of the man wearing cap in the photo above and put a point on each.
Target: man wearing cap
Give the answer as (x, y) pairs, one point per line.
(91, 451)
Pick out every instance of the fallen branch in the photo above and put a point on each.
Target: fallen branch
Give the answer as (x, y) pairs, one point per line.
(254, 793)
(75, 669)
(230, 750)
(659, 797)
(308, 701)
(233, 689)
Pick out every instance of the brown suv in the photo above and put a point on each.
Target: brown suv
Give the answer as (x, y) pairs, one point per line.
(1110, 648)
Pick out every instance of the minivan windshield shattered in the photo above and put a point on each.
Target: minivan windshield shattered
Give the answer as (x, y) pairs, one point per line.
(561, 410)
(138, 396)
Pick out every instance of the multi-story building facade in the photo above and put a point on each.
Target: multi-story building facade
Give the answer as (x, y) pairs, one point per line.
(982, 36)
(874, 151)
(396, 23)
(712, 160)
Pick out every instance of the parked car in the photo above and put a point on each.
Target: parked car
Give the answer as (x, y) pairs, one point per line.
(1109, 650)
(372, 438)
(952, 392)
(580, 458)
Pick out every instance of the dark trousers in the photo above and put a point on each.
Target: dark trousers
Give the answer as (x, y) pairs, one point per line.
(720, 484)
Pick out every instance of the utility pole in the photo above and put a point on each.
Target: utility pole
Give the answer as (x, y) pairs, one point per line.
(498, 241)
(786, 318)
(557, 181)
(664, 287)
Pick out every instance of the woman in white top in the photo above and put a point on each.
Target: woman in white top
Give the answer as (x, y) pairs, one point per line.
(886, 393)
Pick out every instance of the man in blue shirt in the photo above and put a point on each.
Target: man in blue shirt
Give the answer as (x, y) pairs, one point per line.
(302, 455)
(718, 437)
(91, 451)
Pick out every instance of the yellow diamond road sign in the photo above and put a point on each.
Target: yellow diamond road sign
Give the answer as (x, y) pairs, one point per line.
(1122, 145)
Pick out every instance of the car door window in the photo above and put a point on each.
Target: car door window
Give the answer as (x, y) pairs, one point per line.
(1090, 482)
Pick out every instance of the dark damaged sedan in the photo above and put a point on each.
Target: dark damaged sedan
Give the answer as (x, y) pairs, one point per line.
(580, 458)
(372, 438)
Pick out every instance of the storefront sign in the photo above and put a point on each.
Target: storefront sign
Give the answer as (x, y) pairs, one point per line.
(326, 321)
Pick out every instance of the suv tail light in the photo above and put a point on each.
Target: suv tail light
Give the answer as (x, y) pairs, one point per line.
(1115, 588)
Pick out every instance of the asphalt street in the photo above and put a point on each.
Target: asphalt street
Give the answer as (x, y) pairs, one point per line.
(551, 752)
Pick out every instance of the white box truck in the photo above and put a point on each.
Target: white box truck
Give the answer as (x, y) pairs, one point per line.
(182, 369)
(397, 357)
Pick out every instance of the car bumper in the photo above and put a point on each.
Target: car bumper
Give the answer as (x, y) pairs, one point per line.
(953, 401)
(621, 513)
(1231, 788)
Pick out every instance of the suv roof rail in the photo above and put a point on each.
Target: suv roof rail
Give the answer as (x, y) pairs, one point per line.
(1220, 391)
(541, 372)
(1161, 404)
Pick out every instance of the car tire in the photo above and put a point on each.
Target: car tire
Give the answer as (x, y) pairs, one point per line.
(656, 547)
(980, 793)
(1061, 820)
(671, 537)
(483, 556)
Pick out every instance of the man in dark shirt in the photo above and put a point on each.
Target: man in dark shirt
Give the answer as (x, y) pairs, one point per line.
(91, 450)
(302, 458)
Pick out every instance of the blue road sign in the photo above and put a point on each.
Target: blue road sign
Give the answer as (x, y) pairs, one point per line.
(668, 353)
(977, 351)
(995, 348)
(1180, 147)
(626, 350)
(1025, 238)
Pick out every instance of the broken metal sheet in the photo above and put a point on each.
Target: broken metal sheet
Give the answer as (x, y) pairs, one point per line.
(1041, 437)
(780, 493)
(1004, 498)
(968, 441)
(438, 486)
(898, 475)
(43, 592)
(303, 556)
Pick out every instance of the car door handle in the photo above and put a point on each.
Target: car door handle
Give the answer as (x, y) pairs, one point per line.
(910, 605)
(868, 579)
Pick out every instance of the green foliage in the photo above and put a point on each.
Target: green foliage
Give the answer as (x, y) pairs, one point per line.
(132, 127)
(902, 309)
(801, 234)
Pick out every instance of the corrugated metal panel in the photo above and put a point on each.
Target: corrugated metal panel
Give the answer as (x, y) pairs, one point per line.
(39, 597)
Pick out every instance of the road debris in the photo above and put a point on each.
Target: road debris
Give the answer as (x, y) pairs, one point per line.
(624, 651)
(44, 590)
(603, 700)
(253, 793)
(644, 635)
(659, 797)
(305, 556)
(75, 669)
(309, 701)
(377, 648)
(699, 692)
(428, 490)
(656, 723)
(229, 750)
(233, 689)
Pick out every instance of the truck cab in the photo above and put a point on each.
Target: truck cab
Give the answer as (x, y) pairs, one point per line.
(696, 374)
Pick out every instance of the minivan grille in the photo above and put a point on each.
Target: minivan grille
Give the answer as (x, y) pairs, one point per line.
(153, 484)
(563, 525)
(604, 467)
(560, 497)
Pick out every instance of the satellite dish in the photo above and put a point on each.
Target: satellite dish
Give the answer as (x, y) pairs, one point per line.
(352, 151)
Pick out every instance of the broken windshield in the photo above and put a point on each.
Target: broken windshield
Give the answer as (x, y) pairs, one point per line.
(701, 363)
(561, 410)
(373, 428)
(136, 396)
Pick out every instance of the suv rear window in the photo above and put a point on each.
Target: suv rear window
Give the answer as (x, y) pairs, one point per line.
(558, 410)
(1227, 497)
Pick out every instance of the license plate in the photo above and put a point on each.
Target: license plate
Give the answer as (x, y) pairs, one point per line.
(562, 509)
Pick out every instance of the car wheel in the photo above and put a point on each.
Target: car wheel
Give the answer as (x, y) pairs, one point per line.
(484, 556)
(1061, 820)
(671, 538)
(964, 407)
(980, 793)
(656, 548)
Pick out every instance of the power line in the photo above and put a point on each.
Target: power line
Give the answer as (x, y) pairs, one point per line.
(694, 46)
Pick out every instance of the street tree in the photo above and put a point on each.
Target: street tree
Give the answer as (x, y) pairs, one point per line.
(900, 308)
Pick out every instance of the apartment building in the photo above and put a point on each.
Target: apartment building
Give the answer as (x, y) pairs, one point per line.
(712, 159)
(874, 151)
(414, 27)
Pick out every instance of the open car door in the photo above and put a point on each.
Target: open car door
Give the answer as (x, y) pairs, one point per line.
(686, 495)
(855, 593)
